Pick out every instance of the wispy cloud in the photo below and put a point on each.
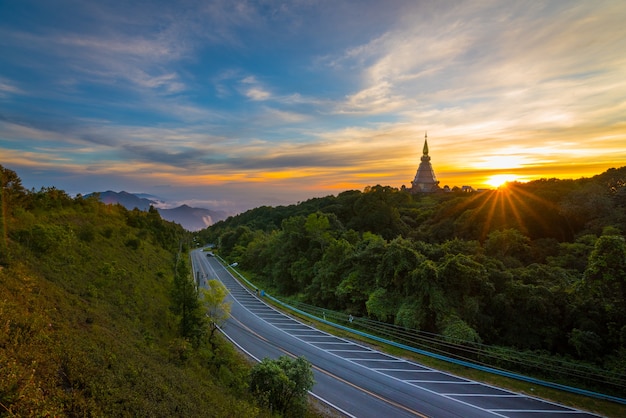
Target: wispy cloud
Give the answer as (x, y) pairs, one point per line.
(283, 116)
(252, 89)
(257, 94)
(8, 87)
(311, 96)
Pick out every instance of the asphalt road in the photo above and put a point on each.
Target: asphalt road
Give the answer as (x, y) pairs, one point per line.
(357, 380)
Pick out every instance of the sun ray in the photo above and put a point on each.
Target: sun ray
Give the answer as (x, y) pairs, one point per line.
(495, 202)
(509, 195)
(517, 202)
(520, 192)
(515, 206)
(476, 212)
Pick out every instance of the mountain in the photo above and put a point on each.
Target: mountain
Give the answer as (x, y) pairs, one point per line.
(192, 219)
(129, 200)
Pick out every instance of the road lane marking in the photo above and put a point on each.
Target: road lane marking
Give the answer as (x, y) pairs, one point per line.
(332, 375)
(252, 299)
(330, 404)
(483, 395)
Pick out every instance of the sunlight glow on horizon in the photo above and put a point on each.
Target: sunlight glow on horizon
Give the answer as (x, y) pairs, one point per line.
(260, 106)
(499, 180)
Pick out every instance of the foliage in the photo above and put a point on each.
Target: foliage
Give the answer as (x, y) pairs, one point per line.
(11, 193)
(186, 303)
(282, 384)
(217, 309)
(535, 266)
(86, 322)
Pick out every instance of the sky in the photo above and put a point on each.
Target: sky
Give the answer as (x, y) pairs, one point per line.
(231, 105)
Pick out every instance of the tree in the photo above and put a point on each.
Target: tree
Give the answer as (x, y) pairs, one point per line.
(186, 303)
(509, 246)
(586, 204)
(383, 305)
(604, 283)
(428, 301)
(376, 210)
(606, 270)
(355, 289)
(465, 284)
(317, 226)
(457, 331)
(396, 264)
(11, 192)
(217, 309)
(282, 384)
(329, 272)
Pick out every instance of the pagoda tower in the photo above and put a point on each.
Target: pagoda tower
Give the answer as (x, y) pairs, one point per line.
(425, 180)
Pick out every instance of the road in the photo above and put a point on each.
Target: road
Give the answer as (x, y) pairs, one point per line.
(359, 381)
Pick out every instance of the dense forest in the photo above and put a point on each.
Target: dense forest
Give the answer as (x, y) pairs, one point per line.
(537, 266)
(99, 315)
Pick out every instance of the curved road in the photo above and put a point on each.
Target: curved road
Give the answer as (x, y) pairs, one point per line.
(357, 380)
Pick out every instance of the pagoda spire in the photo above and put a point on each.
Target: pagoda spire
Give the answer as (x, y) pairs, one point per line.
(425, 180)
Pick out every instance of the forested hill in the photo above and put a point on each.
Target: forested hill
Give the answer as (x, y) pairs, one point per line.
(535, 266)
(546, 208)
(95, 315)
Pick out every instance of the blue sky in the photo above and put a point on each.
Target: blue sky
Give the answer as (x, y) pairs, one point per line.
(235, 104)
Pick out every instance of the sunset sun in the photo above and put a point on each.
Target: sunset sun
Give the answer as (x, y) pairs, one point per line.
(501, 179)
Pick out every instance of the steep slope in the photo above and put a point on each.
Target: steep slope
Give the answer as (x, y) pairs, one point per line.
(86, 325)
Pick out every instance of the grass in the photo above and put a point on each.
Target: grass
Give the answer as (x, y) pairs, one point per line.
(86, 327)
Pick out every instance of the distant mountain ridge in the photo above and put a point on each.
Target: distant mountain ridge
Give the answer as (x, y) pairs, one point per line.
(192, 219)
(129, 200)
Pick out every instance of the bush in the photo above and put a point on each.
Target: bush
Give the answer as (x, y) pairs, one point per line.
(282, 384)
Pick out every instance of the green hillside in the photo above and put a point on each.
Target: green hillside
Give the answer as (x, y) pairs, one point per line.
(537, 267)
(89, 324)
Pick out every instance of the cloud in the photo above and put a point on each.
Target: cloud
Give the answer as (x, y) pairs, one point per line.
(374, 99)
(187, 159)
(456, 57)
(252, 89)
(132, 47)
(257, 94)
(109, 55)
(168, 83)
(277, 116)
(9, 88)
(306, 95)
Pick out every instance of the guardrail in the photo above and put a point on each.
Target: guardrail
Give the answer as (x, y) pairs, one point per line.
(448, 358)
(475, 356)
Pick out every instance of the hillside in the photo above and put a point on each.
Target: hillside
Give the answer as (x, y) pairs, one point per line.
(538, 267)
(88, 317)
